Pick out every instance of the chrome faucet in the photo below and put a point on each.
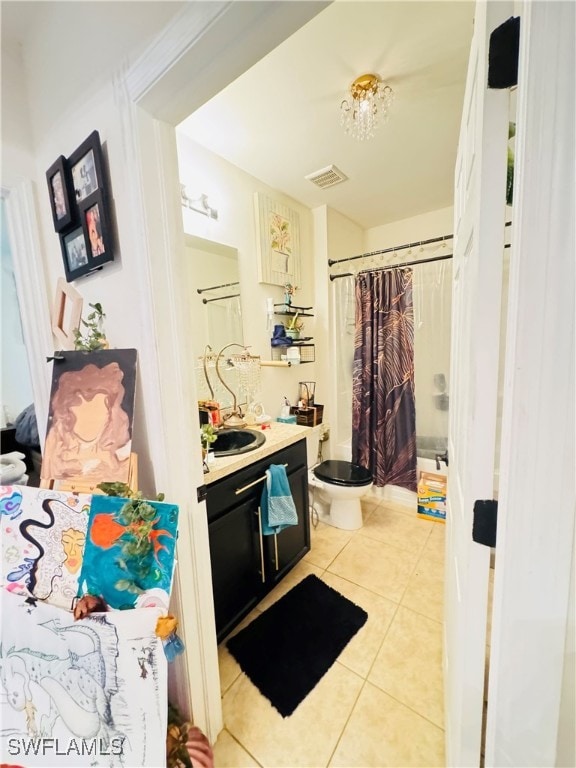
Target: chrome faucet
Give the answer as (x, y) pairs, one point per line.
(441, 457)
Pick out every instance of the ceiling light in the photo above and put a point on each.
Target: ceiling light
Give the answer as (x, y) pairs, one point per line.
(368, 102)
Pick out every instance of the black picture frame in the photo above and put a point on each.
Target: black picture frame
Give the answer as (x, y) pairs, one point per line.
(86, 237)
(61, 194)
(97, 231)
(85, 165)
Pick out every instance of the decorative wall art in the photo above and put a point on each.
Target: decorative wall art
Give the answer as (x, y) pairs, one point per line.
(81, 693)
(80, 209)
(83, 690)
(66, 314)
(90, 417)
(129, 557)
(43, 535)
(278, 242)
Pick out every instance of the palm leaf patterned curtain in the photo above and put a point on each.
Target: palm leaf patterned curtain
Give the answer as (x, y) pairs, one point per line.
(383, 408)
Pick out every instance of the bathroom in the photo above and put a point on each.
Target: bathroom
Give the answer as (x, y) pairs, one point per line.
(166, 411)
(414, 546)
(230, 175)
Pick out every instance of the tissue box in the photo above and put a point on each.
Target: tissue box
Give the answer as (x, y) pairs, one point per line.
(432, 496)
(287, 419)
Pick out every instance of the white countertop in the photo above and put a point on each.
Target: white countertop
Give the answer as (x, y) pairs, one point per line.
(278, 436)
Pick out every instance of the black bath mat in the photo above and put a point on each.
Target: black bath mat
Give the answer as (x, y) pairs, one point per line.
(288, 649)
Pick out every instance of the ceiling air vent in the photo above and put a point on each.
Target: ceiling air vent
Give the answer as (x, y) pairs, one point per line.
(327, 177)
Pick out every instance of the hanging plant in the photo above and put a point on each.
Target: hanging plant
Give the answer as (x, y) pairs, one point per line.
(95, 338)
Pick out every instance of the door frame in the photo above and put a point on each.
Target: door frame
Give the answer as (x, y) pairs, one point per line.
(174, 76)
(537, 499)
(479, 226)
(22, 222)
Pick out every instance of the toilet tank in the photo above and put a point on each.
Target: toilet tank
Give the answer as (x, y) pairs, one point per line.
(313, 435)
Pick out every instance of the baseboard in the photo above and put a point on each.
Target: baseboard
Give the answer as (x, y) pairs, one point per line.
(395, 494)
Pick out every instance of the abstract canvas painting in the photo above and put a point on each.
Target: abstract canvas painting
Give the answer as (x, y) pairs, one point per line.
(90, 417)
(43, 533)
(129, 562)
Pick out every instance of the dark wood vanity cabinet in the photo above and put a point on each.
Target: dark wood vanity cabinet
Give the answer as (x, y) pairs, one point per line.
(245, 565)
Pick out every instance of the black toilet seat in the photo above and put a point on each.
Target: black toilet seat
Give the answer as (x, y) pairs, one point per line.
(342, 473)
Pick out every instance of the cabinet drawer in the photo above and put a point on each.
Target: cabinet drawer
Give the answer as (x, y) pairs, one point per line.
(231, 491)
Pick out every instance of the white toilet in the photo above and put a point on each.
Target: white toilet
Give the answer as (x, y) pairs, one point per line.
(336, 488)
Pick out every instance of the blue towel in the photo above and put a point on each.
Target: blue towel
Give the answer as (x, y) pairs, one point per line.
(277, 505)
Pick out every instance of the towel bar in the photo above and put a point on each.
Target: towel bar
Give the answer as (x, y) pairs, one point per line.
(258, 514)
(254, 482)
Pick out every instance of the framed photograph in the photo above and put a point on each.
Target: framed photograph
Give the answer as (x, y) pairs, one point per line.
(278, 242)
(86, 168)
(61, 194)
(97, 234)
(75, 254)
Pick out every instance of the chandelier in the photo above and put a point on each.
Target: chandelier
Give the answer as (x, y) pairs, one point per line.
(368, 103)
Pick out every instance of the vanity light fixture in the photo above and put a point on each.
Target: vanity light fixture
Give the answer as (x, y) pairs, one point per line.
(198, 203)
(368, 102)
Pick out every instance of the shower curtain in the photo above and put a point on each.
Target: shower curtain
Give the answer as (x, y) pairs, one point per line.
(383, 409)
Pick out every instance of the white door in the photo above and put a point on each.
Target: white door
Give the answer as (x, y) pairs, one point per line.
(531, 695)
(479, 219)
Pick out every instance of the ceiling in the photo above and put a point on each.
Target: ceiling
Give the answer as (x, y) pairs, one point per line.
(280, 121)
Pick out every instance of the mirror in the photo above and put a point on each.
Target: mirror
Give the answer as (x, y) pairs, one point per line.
(213, 289)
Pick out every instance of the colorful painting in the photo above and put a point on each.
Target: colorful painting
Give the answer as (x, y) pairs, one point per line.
(81, 693)
(128, 561)
(278, 242)
(43, 537)
(89, 435)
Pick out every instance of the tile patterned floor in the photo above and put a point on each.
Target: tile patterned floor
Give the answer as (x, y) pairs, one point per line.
(381, 703)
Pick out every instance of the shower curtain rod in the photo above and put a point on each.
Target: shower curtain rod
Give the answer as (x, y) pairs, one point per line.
(393, 266)
(331, 262)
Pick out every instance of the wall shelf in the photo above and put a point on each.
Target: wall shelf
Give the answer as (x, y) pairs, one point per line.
(292, 309)
(307, 352)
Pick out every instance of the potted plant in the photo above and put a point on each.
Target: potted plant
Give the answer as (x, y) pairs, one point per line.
(207, 437)
(294, 327)
(186, 745)
(95, 337)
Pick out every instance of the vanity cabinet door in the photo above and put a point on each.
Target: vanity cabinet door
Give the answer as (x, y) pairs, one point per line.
(237, 581)
(245, 566)
(285, 549)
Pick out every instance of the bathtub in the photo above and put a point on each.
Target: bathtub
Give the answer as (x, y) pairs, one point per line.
(394, 493)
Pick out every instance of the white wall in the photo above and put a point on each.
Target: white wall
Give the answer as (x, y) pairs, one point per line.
(231, 191)
(117, 286)
(17, 157)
